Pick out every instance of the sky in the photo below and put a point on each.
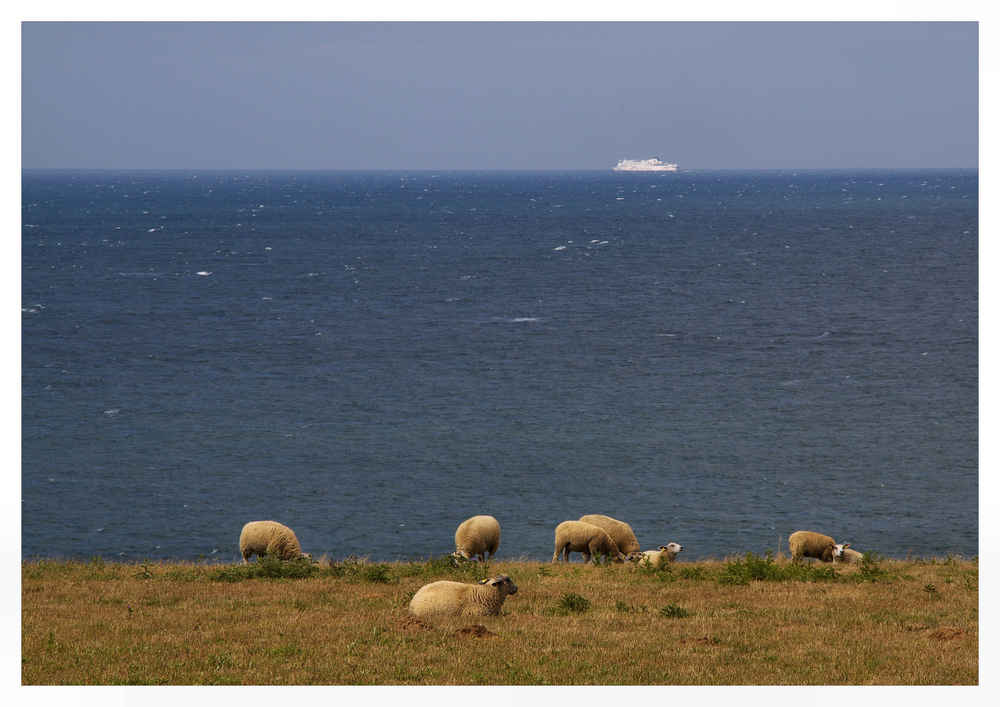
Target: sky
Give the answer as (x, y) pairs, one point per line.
(499, 95)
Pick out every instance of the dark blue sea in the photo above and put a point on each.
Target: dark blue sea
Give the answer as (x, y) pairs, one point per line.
(717, 358)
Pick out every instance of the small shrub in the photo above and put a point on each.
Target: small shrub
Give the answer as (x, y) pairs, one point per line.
(458, 568)
(692, 573)
(572, 603)
(354, 569)
(756, 568)
(971, 578)
(376, 574)
(410, 569)
(869, 570)
(675, 611)
(646, 566)
(751, 567)
(268, 567)
(606, 560)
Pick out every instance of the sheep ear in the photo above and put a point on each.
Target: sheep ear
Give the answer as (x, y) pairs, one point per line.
(846, 545)
(483, 581)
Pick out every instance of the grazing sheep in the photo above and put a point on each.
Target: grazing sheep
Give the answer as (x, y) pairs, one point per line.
(619, 531)
(805, 543)
(447, 598)
(665, 554)
(841, 555)
(577, 536)
(476, 537)
(267, 537)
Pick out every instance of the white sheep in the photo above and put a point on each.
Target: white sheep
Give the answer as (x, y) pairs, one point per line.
(805, 543)
(665, 554)
(446, 598)
(841, 555)
(477, 536)
(267, 537)
(577, 536)
(620, 531)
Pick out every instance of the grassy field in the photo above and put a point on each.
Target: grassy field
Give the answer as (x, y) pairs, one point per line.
(744, 621)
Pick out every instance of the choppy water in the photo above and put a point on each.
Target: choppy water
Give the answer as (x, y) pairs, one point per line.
(718, 358)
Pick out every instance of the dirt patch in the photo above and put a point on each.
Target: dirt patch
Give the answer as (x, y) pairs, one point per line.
(408, 623)
(948, 633)
(476, 631)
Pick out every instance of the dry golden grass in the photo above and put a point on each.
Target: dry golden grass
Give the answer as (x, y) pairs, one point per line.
(172, 623)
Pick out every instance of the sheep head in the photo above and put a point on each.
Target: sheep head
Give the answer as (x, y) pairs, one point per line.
(502, 583)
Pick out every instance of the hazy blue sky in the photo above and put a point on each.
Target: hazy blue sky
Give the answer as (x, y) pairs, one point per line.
(499, 95)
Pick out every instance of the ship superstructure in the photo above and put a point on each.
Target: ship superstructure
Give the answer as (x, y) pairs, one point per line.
(651, 165)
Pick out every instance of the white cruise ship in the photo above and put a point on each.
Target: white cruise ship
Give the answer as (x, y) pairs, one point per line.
(653, 165)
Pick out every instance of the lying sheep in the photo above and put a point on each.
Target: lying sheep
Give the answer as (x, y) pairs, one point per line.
(577, 536)
(476, 537)
(805, 543)
(665, 554)
(447, 598)
(841, 555)
(619, 531)
(267, 537)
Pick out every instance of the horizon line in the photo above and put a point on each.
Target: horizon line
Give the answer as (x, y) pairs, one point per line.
(485, 169)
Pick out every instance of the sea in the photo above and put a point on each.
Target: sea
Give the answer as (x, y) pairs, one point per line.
(718, 358)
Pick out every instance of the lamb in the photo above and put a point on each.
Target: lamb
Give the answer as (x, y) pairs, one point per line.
(665, 554)
(841, 555)
(267, 537)
(476, 537)
(805, 543)
(446, 598)
(619, 531)
(585, 538)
